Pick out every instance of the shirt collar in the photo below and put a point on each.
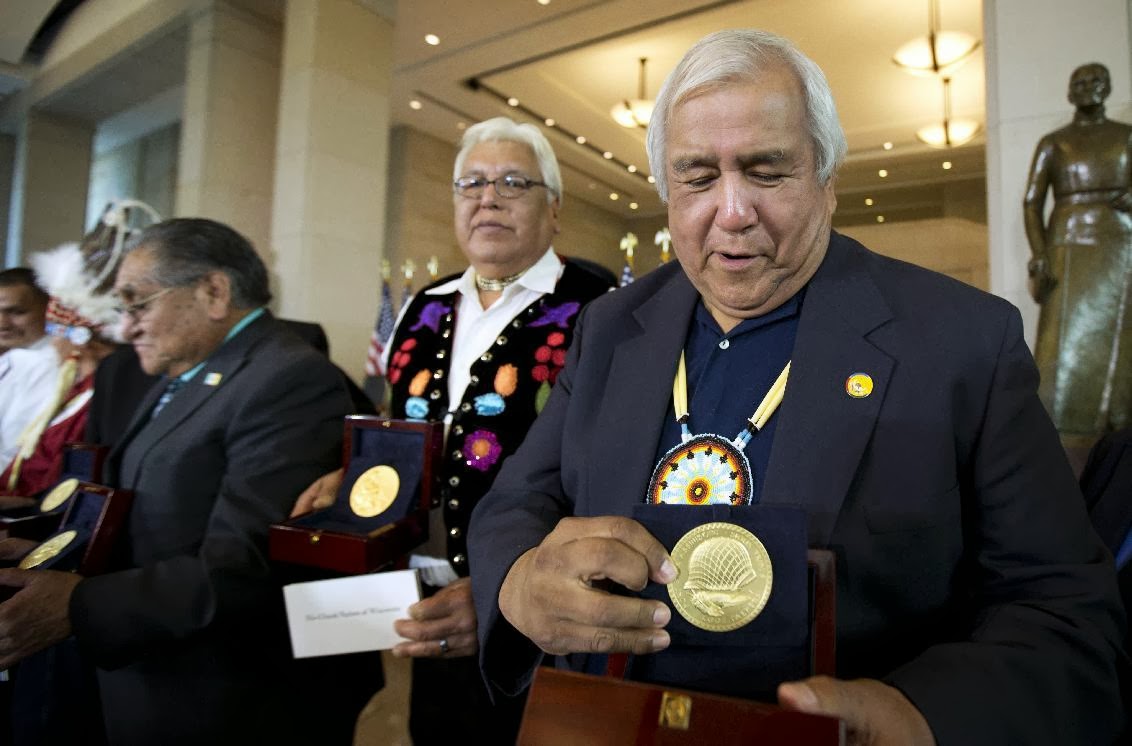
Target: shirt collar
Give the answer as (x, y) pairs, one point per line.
(238, 327)
(541, 277)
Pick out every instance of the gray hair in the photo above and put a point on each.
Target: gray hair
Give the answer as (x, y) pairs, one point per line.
(187, 249)
(502, 129)
(740, 55)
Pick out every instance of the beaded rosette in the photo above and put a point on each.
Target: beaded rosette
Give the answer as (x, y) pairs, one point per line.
(705, 470)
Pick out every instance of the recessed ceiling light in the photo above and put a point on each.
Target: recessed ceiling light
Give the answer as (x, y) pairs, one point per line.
(880, 218)
(631, 168)
(549, 121)
(614, 196)
(607, 155)
(633, 205)
(432, 39)
(869, 201)
(652, 179)
(947, 165)
(581, 140)
(460, 125)
(883, 173)
(888, 146)
(544, 2)
(415, 105)
(512, 101)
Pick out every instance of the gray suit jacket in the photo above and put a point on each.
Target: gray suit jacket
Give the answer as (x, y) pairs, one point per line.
(189, 632)
(968, 575)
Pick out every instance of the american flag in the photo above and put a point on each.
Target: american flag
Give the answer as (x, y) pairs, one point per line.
(626, 275)
(382, 332)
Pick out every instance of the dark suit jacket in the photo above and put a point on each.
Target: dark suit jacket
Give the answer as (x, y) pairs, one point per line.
(120, 385)
(968, 575)
(189, 634)
(1107, 484)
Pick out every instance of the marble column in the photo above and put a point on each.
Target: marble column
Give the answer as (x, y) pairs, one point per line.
(331, 170)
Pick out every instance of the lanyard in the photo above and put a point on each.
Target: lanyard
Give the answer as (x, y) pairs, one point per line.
(755, 423)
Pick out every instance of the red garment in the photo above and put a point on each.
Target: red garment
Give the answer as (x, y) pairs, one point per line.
(42, 469)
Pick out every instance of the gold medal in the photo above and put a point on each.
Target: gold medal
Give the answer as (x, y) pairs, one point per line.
(47, 550)
(724, 577)
(59, 495)
(375, 490)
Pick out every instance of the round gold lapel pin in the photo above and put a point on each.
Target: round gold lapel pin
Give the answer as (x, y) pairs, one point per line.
(859, 385)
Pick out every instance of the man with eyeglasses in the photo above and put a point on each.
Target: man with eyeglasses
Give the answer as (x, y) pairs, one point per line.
(188, 630)
(480, 351)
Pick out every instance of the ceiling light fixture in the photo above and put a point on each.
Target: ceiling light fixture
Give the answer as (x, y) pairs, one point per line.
(888, 146)
(940, 52)
(580, 139)
(634, 112)
(950, 131)
(512, 101)
(432, 39)
(415, 105)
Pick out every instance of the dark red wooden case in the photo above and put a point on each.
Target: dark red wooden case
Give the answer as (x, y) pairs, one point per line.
(337, 539)
(566, 708)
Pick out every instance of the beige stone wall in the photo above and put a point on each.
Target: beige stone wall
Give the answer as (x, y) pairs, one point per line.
(953, 246)
(55, 173)
(7, 163)
(329, 200)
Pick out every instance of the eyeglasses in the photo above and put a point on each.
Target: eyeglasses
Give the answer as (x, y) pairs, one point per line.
(509, 186)
(138, 308)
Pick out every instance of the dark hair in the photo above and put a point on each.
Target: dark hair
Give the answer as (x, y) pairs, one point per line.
(187, 249)
(23, 276)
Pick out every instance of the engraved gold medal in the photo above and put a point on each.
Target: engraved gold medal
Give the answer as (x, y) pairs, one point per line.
(47, 550)
(375, 491)
(58, 495)
(724, 577)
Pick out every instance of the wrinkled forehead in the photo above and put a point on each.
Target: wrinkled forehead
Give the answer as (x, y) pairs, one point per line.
(501, 157)
(137, 269)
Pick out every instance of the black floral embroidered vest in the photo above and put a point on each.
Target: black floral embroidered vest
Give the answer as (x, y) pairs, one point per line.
(509, 386)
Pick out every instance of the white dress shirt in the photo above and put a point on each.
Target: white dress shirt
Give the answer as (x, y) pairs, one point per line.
(28, 377)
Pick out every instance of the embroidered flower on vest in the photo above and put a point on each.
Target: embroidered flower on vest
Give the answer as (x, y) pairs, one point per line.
(482, 450)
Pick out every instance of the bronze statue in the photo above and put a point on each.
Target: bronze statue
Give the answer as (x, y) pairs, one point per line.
(1081, 270)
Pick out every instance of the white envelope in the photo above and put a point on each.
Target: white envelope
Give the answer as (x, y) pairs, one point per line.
(349, 615)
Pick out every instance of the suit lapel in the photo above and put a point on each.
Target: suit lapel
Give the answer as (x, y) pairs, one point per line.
(823, 431)
(637, 394)
(222, 366)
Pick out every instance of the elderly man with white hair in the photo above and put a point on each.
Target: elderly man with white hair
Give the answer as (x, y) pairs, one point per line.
(479, 350)
(895, 409)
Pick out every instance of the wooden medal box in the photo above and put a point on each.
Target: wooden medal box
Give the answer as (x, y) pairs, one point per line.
(82, 462)
(566, 708)
(93, 518)
(339, 539)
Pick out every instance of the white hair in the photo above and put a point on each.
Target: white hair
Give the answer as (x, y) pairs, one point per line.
(502, 129)
(740, 55)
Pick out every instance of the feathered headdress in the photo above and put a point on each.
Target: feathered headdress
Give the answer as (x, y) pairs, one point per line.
(78, 277)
